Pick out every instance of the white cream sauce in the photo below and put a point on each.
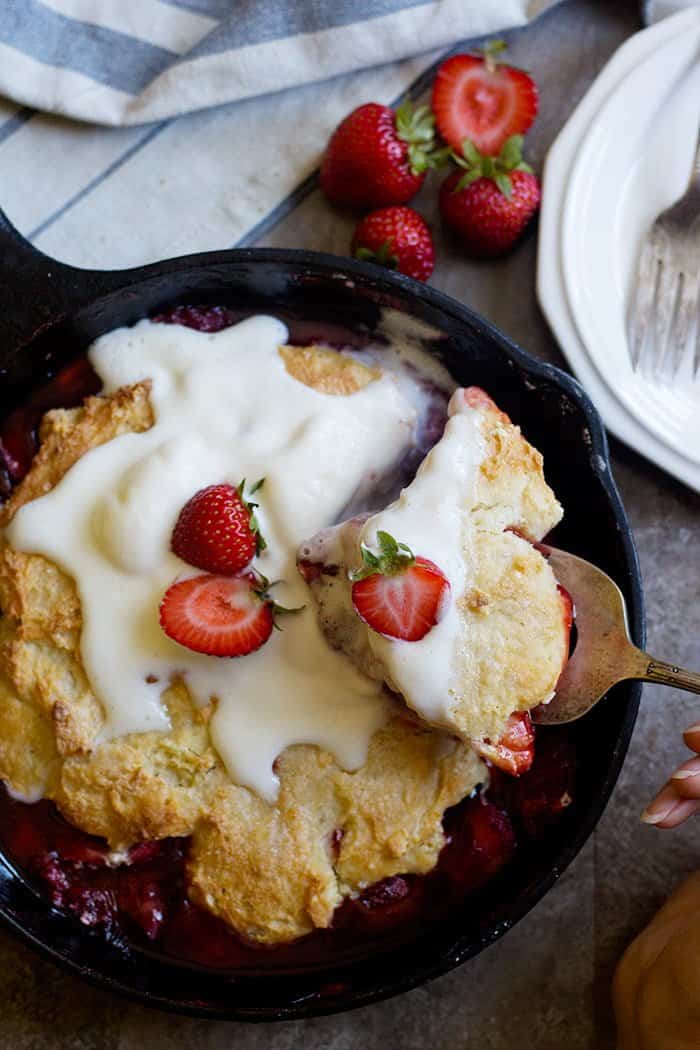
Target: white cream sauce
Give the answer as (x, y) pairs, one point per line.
(429, 516)
(226, 408)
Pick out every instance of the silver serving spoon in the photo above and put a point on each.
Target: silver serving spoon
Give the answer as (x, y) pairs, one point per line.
(604, 654)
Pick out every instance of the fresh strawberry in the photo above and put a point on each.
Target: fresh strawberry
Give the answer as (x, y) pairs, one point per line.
(377, 156)
(514, 753)
(477, 97)
(217, 530)
(490, 203)
(397, 594)
(396, 237)
(218, 615)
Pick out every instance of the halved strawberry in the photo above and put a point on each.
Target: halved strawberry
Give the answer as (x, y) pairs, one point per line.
(398, 594)
(217, 530)
(514, 753)
(475, 97)
(218, 615)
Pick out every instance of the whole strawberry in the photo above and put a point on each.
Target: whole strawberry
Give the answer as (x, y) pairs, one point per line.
(217, 530)
(492, 200)
(377, 156)
(396, 237)
(478, 97)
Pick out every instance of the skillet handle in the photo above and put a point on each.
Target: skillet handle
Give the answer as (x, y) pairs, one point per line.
(36, 290)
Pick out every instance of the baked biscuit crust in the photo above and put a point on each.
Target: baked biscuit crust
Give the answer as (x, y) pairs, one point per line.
(272, 872)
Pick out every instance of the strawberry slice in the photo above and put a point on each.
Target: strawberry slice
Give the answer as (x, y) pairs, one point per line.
(514, 753)
(217, 530)
(475, 97)
(397, 594)
(218, 615)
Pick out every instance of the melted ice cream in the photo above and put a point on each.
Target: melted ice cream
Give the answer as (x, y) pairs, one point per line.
(225, 408)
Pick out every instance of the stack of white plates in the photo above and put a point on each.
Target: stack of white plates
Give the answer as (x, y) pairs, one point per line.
(624, 156)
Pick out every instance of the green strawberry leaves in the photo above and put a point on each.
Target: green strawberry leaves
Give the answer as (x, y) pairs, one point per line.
(261, 587)
(393, 558)
(479, 166)
(384, 255)
(416, 126)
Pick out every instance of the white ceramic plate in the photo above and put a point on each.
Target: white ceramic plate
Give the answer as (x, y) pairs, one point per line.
(592, 221)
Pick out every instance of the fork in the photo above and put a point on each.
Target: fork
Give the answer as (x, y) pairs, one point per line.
(664, 301)
(604, 653)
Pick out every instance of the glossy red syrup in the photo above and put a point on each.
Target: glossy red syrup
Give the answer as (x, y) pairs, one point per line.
(141, 898)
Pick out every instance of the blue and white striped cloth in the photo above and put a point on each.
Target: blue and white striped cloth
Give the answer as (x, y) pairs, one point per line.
(221, 107)
(132, 130)
(136, 61)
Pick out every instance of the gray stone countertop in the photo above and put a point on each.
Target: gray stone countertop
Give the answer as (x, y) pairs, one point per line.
(546, 984)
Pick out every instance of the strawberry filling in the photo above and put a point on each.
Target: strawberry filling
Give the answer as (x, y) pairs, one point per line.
(143, 898)
(515, 751)
(18, 434)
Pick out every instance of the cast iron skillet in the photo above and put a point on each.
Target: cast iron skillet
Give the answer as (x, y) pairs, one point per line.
(49, 312)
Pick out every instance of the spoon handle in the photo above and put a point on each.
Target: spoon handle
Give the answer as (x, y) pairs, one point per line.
(661, 673)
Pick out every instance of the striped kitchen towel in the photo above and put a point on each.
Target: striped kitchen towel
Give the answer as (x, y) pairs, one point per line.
(196, 178)
(135, 61)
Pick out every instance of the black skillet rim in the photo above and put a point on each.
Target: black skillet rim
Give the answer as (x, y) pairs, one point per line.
(456, 950)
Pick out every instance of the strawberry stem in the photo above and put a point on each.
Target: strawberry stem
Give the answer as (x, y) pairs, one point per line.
(393, 558)
(491, 50)
(261, 587)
